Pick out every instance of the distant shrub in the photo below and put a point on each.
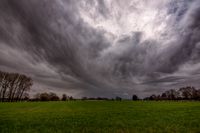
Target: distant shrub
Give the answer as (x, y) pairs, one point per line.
(46, 97)
(134, 97)
(118, 98)
(64, 97)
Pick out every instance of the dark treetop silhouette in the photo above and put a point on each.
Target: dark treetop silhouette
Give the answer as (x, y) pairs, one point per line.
(14, 86)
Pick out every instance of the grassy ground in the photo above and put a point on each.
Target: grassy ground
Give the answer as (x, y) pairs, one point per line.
(100, 116)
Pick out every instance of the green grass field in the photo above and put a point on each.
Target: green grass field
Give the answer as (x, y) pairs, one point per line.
(100, 116)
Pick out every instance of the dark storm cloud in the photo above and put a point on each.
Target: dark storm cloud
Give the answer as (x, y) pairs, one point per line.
(50, 41)
(51, 36)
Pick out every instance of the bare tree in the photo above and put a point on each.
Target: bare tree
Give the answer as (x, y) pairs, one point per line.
(187, 92)
(5, 86)
(2, 79)
(14, 78)
(172, 94)
(13, 86)
(27, 83)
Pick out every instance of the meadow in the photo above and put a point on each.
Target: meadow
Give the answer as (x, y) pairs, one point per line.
(100, 116)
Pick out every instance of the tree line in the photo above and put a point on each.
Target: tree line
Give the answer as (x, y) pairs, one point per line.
(14, 86)
(184, 93)
(50, 97)
(54, 97)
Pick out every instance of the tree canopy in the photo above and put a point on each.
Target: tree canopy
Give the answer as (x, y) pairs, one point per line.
(14, 86)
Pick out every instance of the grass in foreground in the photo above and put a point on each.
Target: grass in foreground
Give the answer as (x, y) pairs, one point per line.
(99, 116)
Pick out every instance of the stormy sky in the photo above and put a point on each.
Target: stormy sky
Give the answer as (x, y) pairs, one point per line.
(102, 47)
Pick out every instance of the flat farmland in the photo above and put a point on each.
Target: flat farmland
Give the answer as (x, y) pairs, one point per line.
(100, 116)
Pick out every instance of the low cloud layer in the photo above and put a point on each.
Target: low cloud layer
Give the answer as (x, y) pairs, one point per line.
(102, 47)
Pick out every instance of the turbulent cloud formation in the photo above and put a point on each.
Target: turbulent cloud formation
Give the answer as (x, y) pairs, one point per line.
(102, 47)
